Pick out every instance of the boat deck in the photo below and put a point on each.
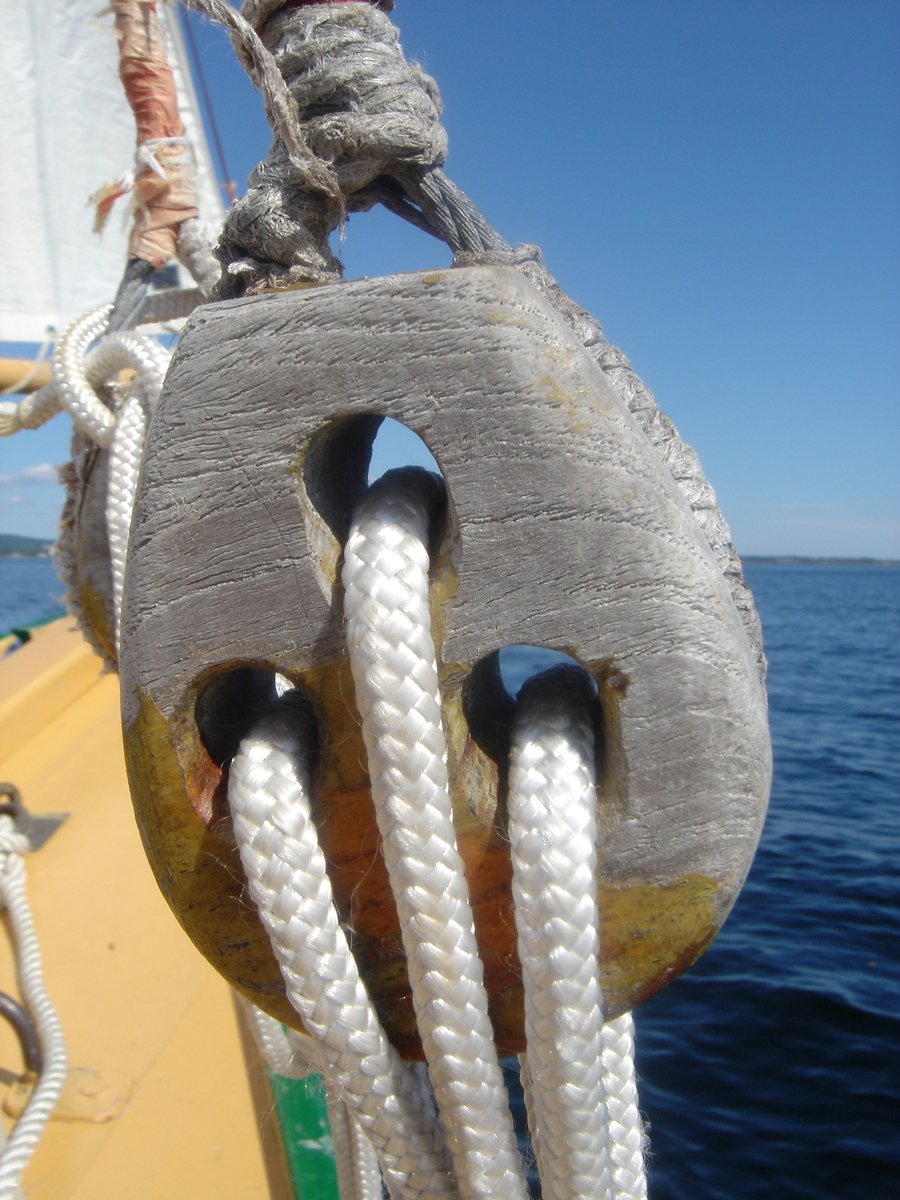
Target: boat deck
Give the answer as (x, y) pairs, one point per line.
(160, 1102)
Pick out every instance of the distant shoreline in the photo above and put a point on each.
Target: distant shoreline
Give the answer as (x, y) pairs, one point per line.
(14, 545)
(803, 560)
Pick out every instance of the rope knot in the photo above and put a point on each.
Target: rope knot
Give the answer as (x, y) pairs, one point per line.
(363, 113)
(363, 106)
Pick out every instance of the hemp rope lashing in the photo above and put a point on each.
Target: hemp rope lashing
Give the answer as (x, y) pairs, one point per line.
(576, 1068)
(355, 124)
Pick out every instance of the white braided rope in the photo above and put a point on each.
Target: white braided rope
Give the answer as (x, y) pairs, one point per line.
(339, 1121)
(31, 412)
(553, 844)
(149, 361)
(77, 387)
(392, 656)
(296, 1055)
(76, 396)
(287, 1052)
(20, 1146)
(358, 1173)
(367, 1177)
(86, 373)
(125, 452)
(285, 869)
(626, 1130)
(79, 371)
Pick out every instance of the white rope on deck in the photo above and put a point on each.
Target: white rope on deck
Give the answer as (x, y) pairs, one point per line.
(22, 1142)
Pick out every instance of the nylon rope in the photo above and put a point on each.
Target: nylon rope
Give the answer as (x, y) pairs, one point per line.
(392, 657)
(295, 1055)
(285, 868)
(553, 843)
(578, 1071)
(79, 373)
(23, 1140)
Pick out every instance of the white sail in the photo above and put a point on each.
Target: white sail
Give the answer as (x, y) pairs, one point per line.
(68, 130)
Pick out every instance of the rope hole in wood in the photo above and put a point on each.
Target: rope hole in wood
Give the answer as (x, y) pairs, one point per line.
(350, 454)
(346, 457)
(492, 692)
(492, 689)
(342, 460)
(230, 702)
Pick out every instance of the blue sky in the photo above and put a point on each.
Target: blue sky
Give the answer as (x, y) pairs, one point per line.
(719, 183)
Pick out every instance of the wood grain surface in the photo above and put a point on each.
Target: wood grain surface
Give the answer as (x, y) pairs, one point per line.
(563, 529)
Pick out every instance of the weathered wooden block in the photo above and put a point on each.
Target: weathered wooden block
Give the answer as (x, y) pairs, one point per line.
(564, 529)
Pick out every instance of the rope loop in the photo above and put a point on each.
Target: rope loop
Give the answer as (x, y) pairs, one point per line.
(115, 422)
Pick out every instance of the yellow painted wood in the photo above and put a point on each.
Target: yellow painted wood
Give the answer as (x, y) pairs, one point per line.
(23, 374)
(134, 996)
(39, 683)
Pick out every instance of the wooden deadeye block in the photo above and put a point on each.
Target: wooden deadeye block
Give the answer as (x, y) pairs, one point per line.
(563, 529)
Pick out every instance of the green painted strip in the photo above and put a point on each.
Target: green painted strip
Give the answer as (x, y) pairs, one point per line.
(308, 1146)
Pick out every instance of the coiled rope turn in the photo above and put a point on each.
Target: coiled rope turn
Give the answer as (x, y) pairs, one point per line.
(578, 1071)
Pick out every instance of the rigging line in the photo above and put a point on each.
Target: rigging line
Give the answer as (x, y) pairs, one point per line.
(226, 182)
(393, 662)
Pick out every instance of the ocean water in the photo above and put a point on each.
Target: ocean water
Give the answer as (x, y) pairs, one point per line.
(30, 591)
(772, 1068)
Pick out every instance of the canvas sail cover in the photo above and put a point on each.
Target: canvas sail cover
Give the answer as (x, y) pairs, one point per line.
(67, 131)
